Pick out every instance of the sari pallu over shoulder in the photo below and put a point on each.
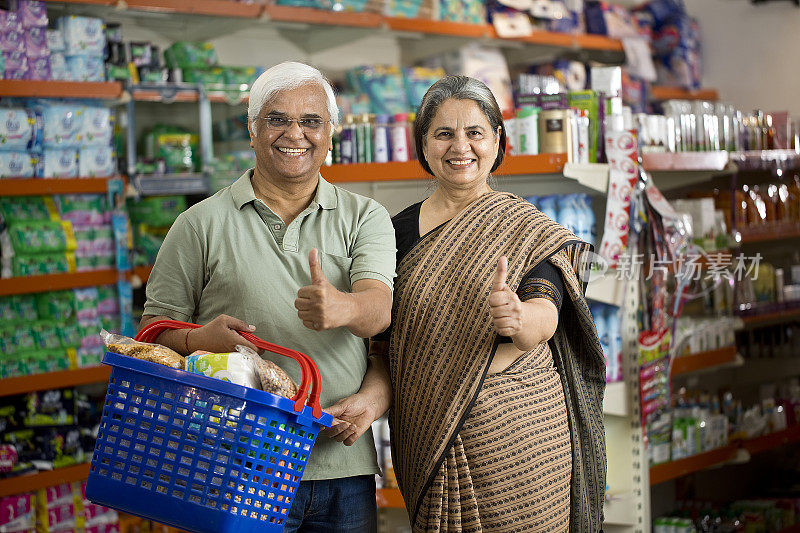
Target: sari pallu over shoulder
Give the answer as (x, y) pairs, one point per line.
(443, 342)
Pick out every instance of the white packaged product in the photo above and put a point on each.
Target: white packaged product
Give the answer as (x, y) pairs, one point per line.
(96, 162)
(232, 367)
(55, 41)
(61, 124)
(83, 35)
(82, 67)
(17, 165)
(17, 128)
(59, 163)
(96, 129)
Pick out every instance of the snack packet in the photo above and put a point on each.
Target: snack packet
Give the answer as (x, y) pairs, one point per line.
(272, 377)
(154, 353)
(233, 367)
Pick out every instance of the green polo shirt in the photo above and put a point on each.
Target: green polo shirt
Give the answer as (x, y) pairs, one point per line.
(230, 254)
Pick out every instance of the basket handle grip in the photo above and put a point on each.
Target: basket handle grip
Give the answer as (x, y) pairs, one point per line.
(310, 372)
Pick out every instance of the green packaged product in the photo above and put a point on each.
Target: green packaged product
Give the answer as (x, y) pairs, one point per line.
(57, 305)
(25, 305)
(212, 79)
(69, 334)
(184, 54)
(27, 209)
(175, 146)
(240, 77)
(41, 264)
(42, 237)
(70, 203)
(7, 311)
(22, 338)
(156, 211)
(7, 346)
(112, 324)
(45, 333)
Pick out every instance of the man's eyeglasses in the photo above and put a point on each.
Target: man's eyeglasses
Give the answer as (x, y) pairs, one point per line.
(283, 123)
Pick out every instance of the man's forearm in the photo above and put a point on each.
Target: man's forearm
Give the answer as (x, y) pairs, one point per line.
(370, 312)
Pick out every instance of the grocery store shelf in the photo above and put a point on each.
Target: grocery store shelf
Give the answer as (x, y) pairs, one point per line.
(61, 89)
(32, 482)
(411, 170)
(679, 93)
(596, 42)
(390, 498)
(154, 185)
(771, 314)
(615, 400)
(766, 159)
(56, 282)
(54, 380)
(675, 469)
(591, 175)
(44, 186)
(223, 8)
(768, 232)
(439, 27)
(774, 440)
(685, 161)
(697, 362)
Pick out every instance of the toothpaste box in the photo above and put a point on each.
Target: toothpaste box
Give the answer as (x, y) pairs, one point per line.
(17, 129)
(17, 165)
(96, 162)
(35, 42)
(86, 67)
(59, 163)
(83, 35)
(32, 13)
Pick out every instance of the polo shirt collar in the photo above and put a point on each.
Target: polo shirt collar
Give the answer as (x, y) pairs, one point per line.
(243, 193)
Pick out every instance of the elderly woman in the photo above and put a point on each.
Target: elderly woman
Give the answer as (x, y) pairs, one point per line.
(496, 369)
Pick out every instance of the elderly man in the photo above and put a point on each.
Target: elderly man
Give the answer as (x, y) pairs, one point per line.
(299, 262)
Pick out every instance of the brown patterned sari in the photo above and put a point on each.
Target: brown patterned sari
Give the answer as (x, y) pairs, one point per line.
(520, 450)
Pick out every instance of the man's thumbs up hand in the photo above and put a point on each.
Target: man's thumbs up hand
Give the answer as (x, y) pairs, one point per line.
(320, 305)
(505, 306)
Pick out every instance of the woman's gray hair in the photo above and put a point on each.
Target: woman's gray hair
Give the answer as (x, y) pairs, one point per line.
(459, 88)
(284, 76)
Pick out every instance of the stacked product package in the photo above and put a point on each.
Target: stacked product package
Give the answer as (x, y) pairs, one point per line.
(54, 331)
(151, 218)
(55, 139)
(45, 430)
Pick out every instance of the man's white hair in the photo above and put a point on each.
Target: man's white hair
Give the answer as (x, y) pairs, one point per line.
(284, 76)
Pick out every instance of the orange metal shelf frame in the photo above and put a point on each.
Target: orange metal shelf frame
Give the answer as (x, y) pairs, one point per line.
(61, 89)
(56, 282)
(319, 16)
(681, 467)
(45, 186)
(411, 170)
(20, 484)
(692, 363)
(678, 93)
(223, 8)
(54, 380)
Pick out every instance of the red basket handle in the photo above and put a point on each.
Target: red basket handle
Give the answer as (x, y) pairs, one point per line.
(311, 377)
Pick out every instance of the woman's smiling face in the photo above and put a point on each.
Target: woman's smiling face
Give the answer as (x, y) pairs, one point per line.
(460, 146)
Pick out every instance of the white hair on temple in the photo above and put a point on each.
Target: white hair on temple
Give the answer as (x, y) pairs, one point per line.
(284, 76)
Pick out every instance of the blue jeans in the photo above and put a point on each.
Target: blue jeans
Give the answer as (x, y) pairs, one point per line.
(343, 505)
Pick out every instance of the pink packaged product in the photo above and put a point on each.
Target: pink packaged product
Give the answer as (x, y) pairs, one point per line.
(623, 174)
(14, 508)
(92, 511)
(15, 61)
(35, 42)
(61, 517)
(38, 69)
(9, 20)
(12, 41)
(105, 528)
(32, 13)
(57, 494)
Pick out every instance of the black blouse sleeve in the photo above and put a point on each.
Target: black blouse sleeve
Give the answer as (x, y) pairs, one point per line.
(543, 281)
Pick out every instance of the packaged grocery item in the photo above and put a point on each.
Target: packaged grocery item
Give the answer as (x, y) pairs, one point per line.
(156, 211)
(61, 124)
(26, 209)
(38, 68)
(18, 513)
(58, 67)
(12, 41)
(234, 367)
(42, 236)
(17, 164)
(417, 81)
(97, 162)
(38, 264)
(55, 41)
(83, 35)
(384, 86)
(96, 129)
(86, 67)
(32, 14)
(154, 353)
(184, 54)
(273, 378)
(59, 163)
(35, 43)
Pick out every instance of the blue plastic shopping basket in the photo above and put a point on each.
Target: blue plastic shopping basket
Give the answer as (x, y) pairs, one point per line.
(199, 453)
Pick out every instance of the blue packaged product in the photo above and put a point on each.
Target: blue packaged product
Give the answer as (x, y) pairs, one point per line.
(567, 213)
(61, 124)
(96, 129)
(547, 205)
(59, 163)
(83, 35)
(417, 81)
(384, 86)
(96, 162)
(17, 129)
(55, 41)
(533, 199)
(82, 67)
(58, 67)
(17, 165)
